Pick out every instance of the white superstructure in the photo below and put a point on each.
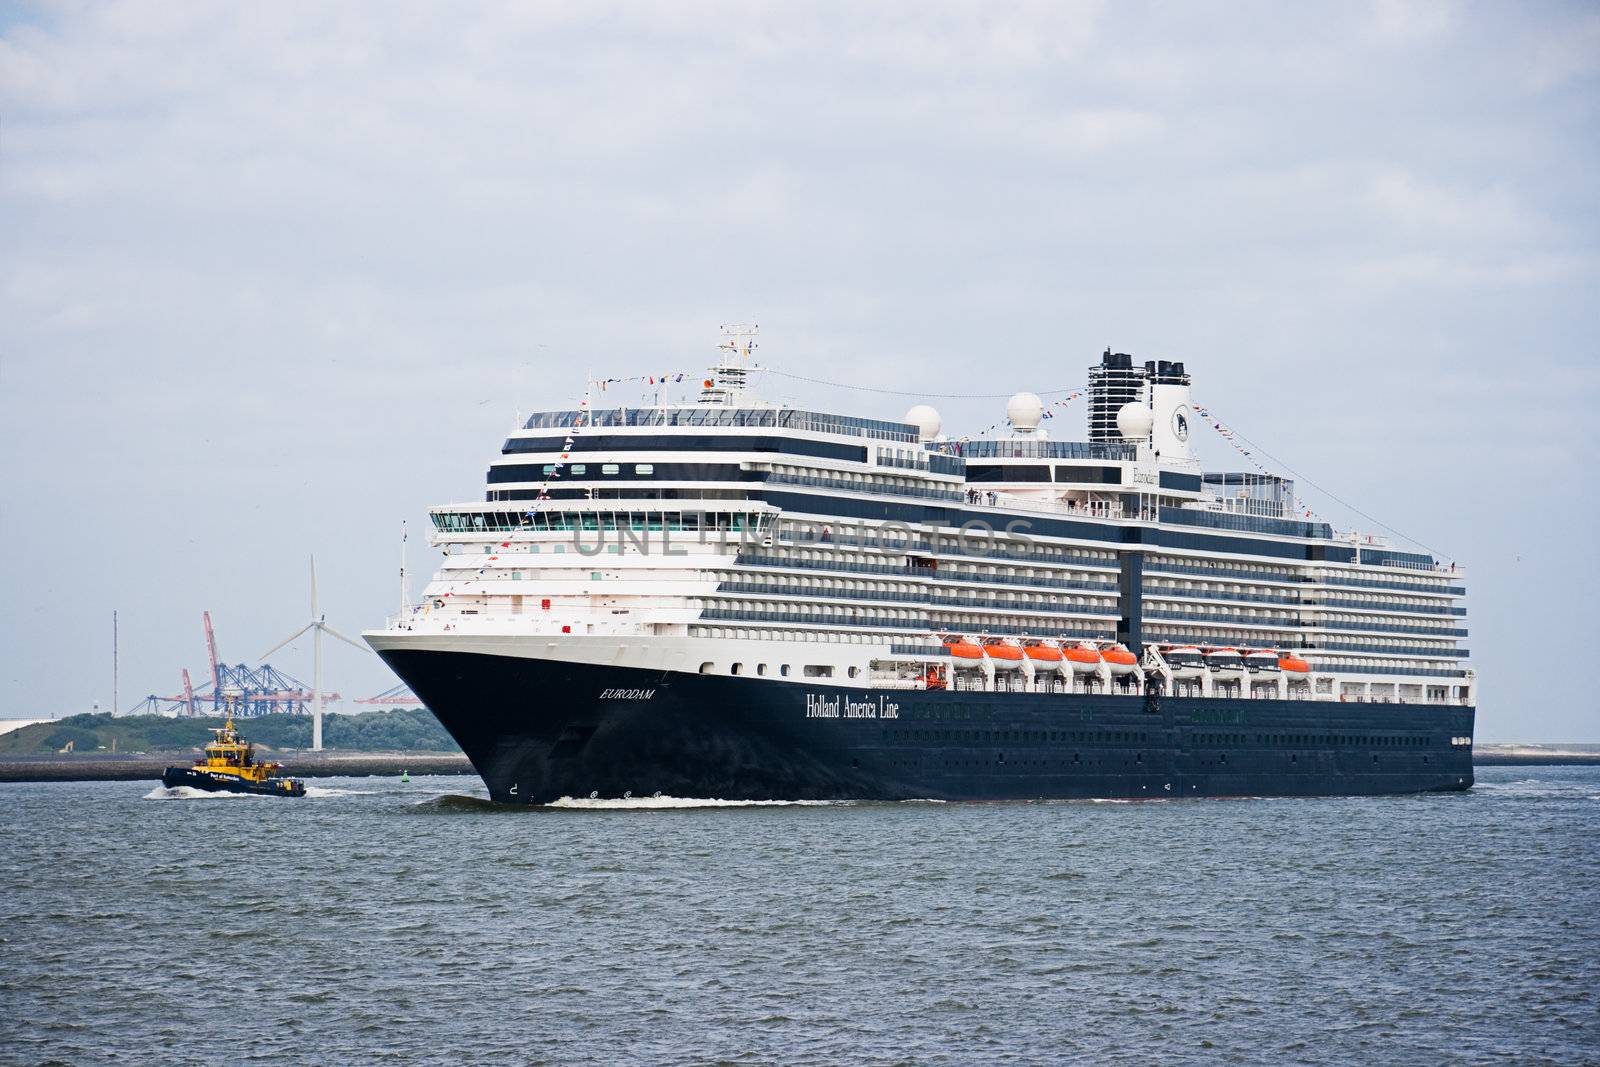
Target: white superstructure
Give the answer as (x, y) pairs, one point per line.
(733, 537)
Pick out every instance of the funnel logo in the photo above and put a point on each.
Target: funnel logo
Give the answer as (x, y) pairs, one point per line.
(1180, 425)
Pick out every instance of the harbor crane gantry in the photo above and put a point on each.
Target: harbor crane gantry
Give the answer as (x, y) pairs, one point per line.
(261, 690)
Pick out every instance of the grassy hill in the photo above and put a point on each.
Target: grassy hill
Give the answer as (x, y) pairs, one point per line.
(398, 729)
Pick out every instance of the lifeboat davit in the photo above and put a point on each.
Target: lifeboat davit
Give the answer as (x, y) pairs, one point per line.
(1261, 661)
(1293, 665)
(1043, 657)
(1083, 659)
(1184, 662)
(963, 650)
(1225, 661)
(1004, 657)
(1119, 660)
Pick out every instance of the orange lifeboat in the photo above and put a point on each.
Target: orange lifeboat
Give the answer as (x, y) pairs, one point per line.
(963, 650)
(1004, 657)
(1293, 665)
(1084, 659)
(1119, 660)
(1043, 657)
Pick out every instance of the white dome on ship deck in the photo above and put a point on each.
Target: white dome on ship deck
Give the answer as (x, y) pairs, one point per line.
(1025, 410)
(1134, 421)
(926, 420)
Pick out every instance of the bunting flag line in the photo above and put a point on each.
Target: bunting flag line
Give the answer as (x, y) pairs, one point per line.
(1047, 414)
(1227, 434)
(602, 384)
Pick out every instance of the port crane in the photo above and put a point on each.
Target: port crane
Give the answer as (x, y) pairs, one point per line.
(258, 690)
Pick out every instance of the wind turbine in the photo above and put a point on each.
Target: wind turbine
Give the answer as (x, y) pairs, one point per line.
(317, 627)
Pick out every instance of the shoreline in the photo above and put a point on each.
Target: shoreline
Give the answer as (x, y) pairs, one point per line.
(118, 767)
(106, 767)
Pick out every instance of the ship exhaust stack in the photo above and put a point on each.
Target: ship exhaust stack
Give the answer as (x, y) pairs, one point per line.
(1173, 417)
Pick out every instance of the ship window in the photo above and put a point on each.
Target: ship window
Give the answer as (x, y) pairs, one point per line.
(854, 671)
(707, 667)
(784, 670)
(644, 468)
(609, 468)
(814, 670)
(761, 668)
(737, 668)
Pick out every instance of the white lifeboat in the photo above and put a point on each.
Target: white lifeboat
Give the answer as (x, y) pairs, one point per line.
(1225, 661)
(1184, 662)
(1261, 661)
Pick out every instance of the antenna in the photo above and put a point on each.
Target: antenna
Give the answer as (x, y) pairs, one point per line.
(317, 627)
(405, 591)
(729, 377)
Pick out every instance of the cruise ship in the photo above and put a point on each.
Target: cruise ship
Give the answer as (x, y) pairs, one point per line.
(728, 598)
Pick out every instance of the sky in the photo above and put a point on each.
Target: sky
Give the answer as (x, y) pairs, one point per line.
(275, 278)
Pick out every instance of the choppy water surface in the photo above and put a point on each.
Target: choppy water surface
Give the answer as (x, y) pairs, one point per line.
(381, 922)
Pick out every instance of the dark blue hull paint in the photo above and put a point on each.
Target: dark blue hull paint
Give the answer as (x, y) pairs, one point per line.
(538, 730)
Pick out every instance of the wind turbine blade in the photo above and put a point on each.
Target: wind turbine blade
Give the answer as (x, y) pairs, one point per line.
(331, 632)
(286, 640)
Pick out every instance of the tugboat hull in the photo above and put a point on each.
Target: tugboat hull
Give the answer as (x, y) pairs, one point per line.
(224, 783)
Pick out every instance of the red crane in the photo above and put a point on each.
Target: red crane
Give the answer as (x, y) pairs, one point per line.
(211, 650)
(188, 687)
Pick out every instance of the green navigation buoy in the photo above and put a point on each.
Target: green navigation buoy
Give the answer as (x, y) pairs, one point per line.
(404, 777)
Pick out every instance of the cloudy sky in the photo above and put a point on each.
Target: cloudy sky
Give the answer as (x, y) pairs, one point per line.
(275, 277)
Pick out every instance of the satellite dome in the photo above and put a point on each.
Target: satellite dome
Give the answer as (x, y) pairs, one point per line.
(1134, 421)
(926, 420)
(1025, 410)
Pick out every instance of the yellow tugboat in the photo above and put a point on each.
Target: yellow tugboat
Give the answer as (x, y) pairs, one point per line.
(230, 766)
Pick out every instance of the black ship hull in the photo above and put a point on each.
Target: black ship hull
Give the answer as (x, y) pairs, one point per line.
(539, 730)
(223, 783)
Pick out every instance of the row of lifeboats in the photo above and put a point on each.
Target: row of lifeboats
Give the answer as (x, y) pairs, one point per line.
(1192, 661)
(1090, 657)
(1081, 657)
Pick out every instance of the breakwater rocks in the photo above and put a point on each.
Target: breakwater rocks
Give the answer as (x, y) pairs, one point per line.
(115, 767)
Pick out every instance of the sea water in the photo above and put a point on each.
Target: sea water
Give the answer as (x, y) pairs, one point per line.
(380, 922)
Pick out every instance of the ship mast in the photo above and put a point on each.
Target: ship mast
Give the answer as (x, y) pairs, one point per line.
(730, 374)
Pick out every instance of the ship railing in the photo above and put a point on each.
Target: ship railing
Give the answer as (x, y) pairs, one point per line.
(1092, 509)
(924, 548)
(846, 485)
(804, 592)
(1378, 605)
(1374, 583)
(1156, 592)
(930, 574)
